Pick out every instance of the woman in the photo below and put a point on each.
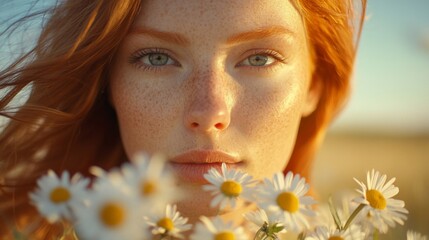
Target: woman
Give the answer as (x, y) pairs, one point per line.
(253, 85)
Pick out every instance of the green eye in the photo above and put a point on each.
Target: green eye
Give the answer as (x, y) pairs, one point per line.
(157, 59)
(152, 58)
(257, 60)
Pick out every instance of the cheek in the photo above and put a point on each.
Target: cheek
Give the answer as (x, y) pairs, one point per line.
(271, 122)
(272, 111)
(145, 113)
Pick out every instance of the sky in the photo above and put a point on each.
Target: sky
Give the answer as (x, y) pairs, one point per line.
(391, 82)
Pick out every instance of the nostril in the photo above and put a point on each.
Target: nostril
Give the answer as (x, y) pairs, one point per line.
(194, 124)
(219, 125)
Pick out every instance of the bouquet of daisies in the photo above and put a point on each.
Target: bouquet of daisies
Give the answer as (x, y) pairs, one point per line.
(134, 202)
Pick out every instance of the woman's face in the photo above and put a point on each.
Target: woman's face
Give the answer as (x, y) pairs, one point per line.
(205, 82)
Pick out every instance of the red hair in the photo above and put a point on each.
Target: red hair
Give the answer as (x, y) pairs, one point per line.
(67, 122)
(333, 35)
(67, 114)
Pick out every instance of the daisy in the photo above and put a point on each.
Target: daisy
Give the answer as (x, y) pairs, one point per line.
(217, 230)
(228, 186)
(284, 197)
(55, 195)
(376, 198)
(112, 212)
(324, 233)
(154, 185)
(170, 224)
(411, 235)
(268, 225)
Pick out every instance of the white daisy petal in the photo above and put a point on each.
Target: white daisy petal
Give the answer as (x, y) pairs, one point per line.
(391, 192)
(224, 203)
(388, 185)
(297, 180)
(210, 188)
(380, 182)
(224, 170)
(411, 235)
(282, 181)
(216, 200)
(307, 200)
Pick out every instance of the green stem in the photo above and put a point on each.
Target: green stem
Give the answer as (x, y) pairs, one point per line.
(375, 235)
(354, 214)
(261, 234)
(257, 235)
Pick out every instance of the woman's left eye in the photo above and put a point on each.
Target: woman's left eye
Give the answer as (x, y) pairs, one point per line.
(262, 59)
(258, 60)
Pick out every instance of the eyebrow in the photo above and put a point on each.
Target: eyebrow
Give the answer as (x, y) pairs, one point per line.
(267, 32)
(179, 39)
(165, 36)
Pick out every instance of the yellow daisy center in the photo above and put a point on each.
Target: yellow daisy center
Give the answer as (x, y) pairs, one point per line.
(376, 199)
(148, 188)
(336, 238)
(288, 202)
(231, 188)
(60, 195)
(224, 236)
(112, 214)
(166, 223)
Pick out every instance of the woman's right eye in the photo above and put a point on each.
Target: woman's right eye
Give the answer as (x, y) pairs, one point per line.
(156, 59)
(150, 58)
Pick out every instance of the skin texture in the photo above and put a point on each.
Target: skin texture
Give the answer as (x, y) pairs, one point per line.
(207, 96)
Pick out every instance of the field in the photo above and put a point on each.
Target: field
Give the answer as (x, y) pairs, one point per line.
(347, 155)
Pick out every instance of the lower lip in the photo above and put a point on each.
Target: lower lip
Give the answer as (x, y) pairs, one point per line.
(194, 172)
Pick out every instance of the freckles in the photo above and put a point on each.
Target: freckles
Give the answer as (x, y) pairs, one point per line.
(271, 114)
(202, 88)
(149, 107)
(145, 112)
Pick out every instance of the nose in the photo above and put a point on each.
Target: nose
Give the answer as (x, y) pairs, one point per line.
(208, 109)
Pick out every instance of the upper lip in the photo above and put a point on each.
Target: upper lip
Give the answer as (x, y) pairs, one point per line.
(205, 156)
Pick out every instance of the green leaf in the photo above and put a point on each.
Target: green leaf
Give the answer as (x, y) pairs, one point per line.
(334, 214)
(276, 229)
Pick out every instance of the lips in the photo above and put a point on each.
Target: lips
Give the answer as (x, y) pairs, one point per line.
(204, 157)
(191, 166)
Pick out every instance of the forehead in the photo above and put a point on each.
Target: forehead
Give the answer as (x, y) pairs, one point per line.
(218, 19)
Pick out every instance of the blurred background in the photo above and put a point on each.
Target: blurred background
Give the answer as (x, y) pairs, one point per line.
(385, 126)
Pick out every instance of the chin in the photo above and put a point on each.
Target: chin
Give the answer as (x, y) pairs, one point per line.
(196, 202)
